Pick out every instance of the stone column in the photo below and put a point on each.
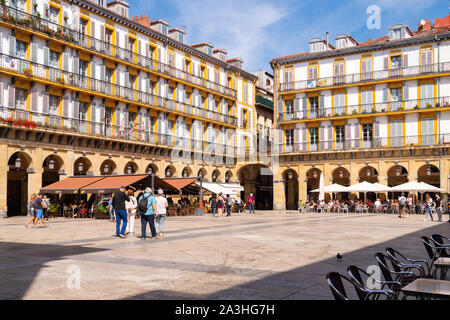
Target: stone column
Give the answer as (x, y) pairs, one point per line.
(3, 180)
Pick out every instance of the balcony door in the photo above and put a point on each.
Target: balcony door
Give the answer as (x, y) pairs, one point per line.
(366, 101)
(367, 131)
(339, 103)
(427, 131)
(396, 99)
(426, 95)
(314, 107)
(396, 133)
(396, 66)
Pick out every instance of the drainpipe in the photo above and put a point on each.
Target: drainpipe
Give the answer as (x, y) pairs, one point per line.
(438, 43)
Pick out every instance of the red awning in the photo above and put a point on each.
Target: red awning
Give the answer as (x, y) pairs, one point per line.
(70, 185)
(180, 183)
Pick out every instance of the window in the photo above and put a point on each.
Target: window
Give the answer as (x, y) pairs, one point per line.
(181, 37)
(396, 34)
(21, 49)
(21, 99)
(131, 44)
(342, 43)
(83, 30)
(396, 133)
(19, 4)
(426, 95)
(108, 35)
(339, 103)
(108, 116)
(313, 73)
(164, 29)
(131, 118)
(316, 47)
(109, 75)
(83, 110)
(314, 107)
(427, 131)
(313, 138)
(396, 98)
(288, 79)
(245, 93)
(366, 101)
(54, 14)
(396, 65)
(426, 61)
(53, 105)
(132, 81)
(83, 65)
(210, 51)
(339, 73)
(54, 59)
(289, 139)
(340, 137)
(366, 69)
(171, 59)
(367, 130)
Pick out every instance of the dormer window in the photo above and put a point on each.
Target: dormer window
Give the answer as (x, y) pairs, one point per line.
(210, 51)
(341, 43)
(316, 45)
(344, 41)
(164, 29)
(399, 32)
(181, 37)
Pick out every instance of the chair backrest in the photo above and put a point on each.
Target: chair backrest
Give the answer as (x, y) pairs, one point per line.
(334, 280)
(391, 254)
(429, 247)
(439, 240)
(355, 275)
(381, 259)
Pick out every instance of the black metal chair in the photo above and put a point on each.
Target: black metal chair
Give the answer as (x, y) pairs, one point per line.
(336, 285)
(432, 249)
(442, 242)
(408, 263)
(365, 293)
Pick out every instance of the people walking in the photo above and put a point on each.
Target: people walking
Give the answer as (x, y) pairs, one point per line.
(220, 205)
(31, 211)
(131, 207)
(429, 205)
(147, 210)
(402, 205)
(409, 204)
(439, 207)
(213, 204)
(161, 210)
(39, 205)
(229, 205)
(118, 203)
(251, 203)
(111, 210)
(46, 209)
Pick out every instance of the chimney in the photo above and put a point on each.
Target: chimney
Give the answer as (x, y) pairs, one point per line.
(326, 49)
(142, 20)
(425, 25)
(220, 54)
(236, 62)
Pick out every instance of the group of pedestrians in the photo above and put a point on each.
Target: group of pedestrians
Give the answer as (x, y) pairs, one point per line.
(152, 211)
(222, 202)
(35, 208)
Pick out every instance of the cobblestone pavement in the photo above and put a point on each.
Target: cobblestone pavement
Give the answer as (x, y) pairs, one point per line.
(269, 255)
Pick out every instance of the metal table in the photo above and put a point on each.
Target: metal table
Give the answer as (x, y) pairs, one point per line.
(442, 264)
(427, 288)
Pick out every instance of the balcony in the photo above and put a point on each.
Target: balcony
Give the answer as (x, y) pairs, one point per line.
(108, 90)
(366, 109)
(361, 144)
(22, 19)
(39, 121)
(363, 78)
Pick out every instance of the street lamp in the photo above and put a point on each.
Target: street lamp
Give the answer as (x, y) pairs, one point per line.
(18, 162)
(315, 174)
(80, 167)
(290, 175)
(168, 172)
(214, 176)
(397, 172)
(185, 173)
(150, 170)
(106, 168)
(341, 174)
(130, 169)
(428, 171)
(227, 178)
(369, 172)
(51, 164)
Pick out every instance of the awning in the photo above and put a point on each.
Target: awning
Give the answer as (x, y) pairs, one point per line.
(70, 185)
(185, 185)
(234, 187)
(217, 188)
(110, 184)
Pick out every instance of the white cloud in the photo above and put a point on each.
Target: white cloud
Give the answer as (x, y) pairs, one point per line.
(239, 26)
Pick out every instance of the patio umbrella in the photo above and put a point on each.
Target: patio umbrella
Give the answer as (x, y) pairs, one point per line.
(333, 188)
(365, 187)
(321, 188)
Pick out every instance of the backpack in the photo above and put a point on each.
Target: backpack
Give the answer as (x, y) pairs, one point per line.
(143, 204)
(35, 205)
(402, 201)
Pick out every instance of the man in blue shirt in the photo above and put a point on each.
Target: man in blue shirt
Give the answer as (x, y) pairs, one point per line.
(149, 214)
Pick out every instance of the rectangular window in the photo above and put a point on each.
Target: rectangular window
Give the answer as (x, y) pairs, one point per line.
(426, 61)
(396, 133)
(21, 49)
(314, 107)
(313, 139)
(396, 65)
(426, 95)
(132, 81)
(313, 73)
(366, 101)
(53, 105)
(427, 131)
(108, 36)
(54, 59)
(366, 70)
(245, 93)
(21, 99)
(367, 129)
(289, 140)
(83, 31)
(289, 109)
(339, 73)
(54, 14)
(288, 80)
(340, 137)
(83, 111)
(109, 75)
(396, 98)
(339, 103)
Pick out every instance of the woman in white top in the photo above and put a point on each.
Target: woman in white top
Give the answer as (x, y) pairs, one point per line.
(131, 207)
(161, 209)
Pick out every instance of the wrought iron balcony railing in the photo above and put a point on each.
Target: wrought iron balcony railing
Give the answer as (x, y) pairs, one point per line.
(379, 75)
(359, 144)
(365, 109)
(38, 24)
(63, 78)
(130, 132)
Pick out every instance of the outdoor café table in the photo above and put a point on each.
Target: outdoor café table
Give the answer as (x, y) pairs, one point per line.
(427, 288)
(443, 264)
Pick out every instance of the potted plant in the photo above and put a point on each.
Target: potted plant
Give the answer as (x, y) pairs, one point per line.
(35, 5)
(429, 106)
(400, 109)
(27, 72)
(53, 208)
(354, 111)
(416, 107)
(374, 110)
(60, 80)
(438, 105)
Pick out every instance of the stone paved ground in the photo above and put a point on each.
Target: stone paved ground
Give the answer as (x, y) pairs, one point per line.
(264, 256)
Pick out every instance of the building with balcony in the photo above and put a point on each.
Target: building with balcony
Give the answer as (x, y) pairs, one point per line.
(376, 111)
(87, 90)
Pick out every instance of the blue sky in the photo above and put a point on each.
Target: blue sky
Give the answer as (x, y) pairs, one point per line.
(259, 30)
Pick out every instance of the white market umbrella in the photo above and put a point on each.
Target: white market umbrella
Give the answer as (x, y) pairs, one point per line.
(430, 188)
(366, 187)
(333, 188)
(383, 187)
(321, 188)
(412, 186)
